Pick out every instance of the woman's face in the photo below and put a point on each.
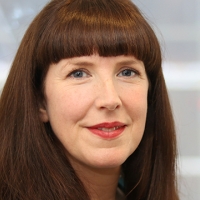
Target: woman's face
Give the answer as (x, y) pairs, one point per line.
(97, 107)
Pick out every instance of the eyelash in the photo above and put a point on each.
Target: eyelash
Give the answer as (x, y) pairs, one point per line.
(130, 70)
(73, 71)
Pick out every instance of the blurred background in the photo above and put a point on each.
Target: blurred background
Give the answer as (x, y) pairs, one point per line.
(177, 25)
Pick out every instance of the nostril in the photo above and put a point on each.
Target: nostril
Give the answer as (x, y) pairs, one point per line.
(110, 106)
(113, 107)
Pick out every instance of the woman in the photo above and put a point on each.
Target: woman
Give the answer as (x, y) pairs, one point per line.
(84, 113)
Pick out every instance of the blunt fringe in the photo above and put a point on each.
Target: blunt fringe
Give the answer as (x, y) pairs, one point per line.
(32, 161)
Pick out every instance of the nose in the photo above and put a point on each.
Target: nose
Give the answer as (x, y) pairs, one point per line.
(108, 96)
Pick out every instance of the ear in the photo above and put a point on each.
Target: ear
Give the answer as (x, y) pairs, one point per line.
(44, 115)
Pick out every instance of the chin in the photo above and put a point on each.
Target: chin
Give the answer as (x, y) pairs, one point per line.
(113, 161)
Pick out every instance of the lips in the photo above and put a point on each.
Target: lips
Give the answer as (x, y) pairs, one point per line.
(108, 130)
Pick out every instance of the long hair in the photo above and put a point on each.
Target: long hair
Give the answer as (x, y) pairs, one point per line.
(32, 161)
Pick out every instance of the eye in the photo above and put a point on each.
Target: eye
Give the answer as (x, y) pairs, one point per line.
(127, 72)
(78, 74)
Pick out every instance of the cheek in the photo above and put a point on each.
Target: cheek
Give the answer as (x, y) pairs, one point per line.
(136, 106)
(136, 103)
(68, 104)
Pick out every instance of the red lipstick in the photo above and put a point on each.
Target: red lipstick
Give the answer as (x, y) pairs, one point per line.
(108, 130)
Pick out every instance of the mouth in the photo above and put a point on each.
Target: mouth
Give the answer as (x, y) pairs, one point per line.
(108, 130)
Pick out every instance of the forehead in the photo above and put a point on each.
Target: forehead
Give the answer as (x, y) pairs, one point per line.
(96, 60)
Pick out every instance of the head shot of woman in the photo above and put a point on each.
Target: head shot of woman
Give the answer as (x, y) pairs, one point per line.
(84, 113)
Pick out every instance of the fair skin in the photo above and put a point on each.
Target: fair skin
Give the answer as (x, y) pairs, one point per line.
(97, 108)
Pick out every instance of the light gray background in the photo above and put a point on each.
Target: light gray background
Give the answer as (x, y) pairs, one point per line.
(177, 25)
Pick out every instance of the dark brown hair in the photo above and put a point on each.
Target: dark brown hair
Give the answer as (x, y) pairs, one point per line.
(32, 161)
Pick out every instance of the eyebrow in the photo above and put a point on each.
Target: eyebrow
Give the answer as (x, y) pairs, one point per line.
(83, 63)
(127, 62)
(90, 64)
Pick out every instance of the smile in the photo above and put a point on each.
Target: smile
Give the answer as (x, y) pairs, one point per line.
(108, 130)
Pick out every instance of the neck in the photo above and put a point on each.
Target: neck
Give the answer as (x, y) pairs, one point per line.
(101, 184)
